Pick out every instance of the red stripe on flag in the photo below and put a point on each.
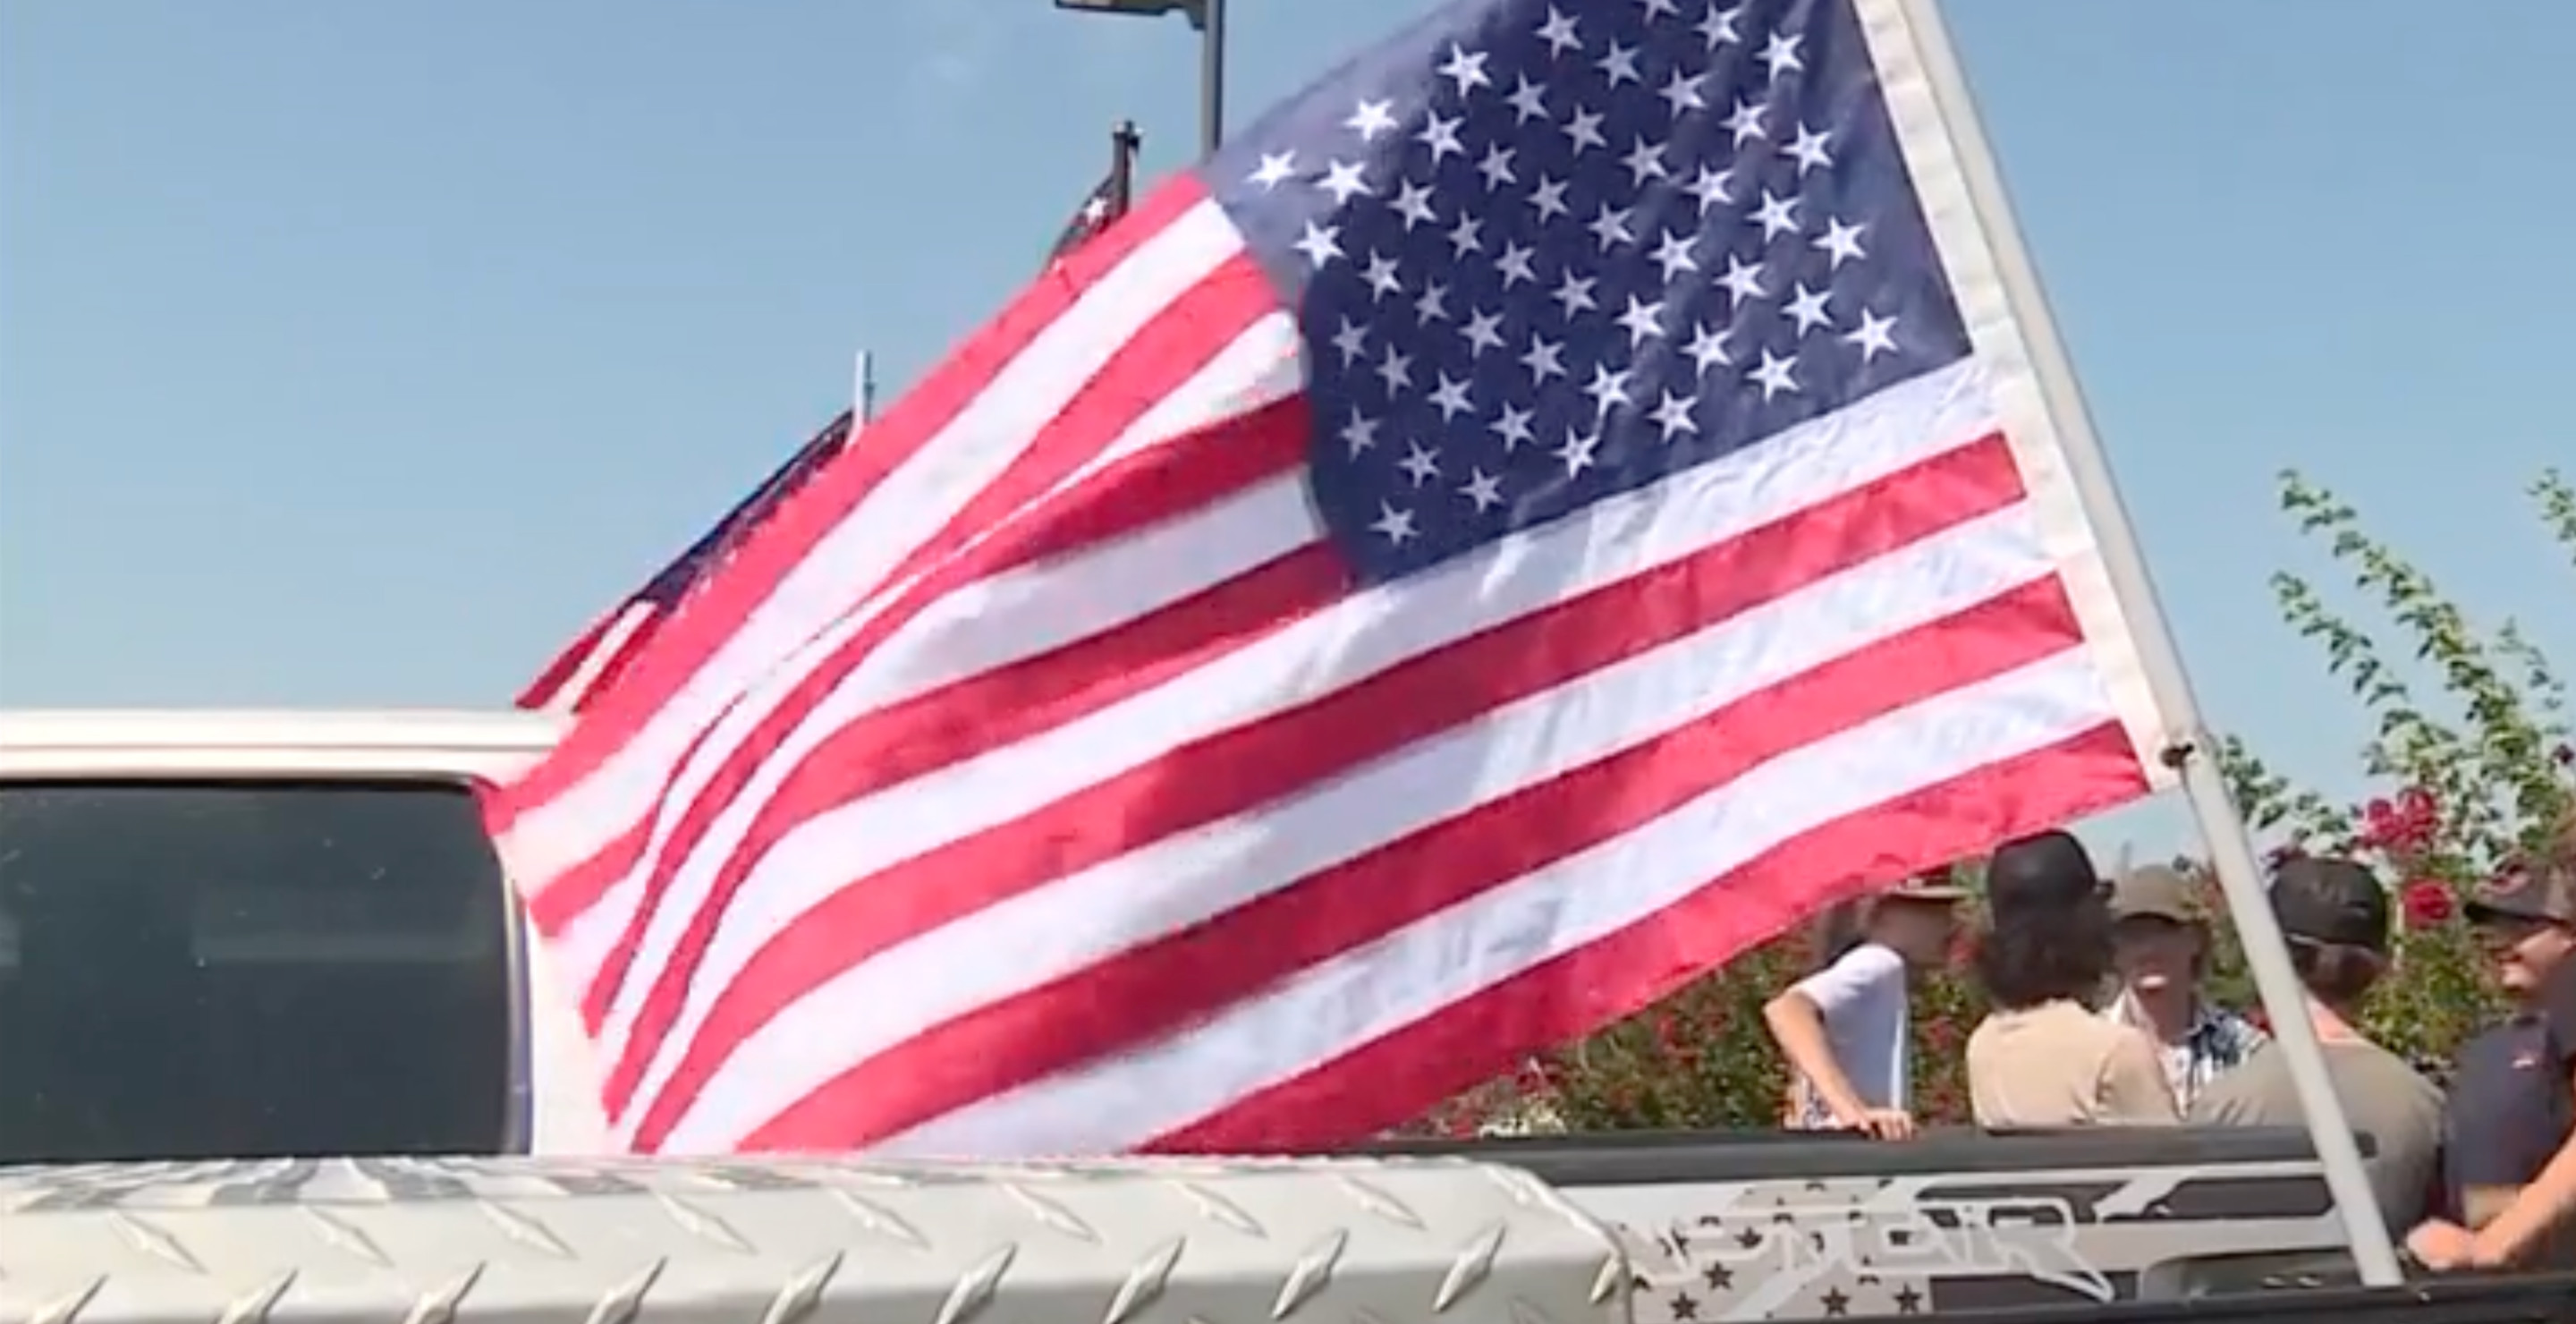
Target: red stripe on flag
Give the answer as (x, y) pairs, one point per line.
(1164, 986)
(1234, 771)
(629, 647)
(550, 683)
(597, 659)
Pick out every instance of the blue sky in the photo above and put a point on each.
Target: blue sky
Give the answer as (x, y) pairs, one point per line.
(356, 354)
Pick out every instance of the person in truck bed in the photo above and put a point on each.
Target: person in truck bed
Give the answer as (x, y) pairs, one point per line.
(1844, 1028)
(2334, 914)
(2160, 943)
(2043, 1058)
(2510, 1153)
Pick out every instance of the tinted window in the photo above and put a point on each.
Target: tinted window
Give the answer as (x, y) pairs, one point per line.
(250, 969)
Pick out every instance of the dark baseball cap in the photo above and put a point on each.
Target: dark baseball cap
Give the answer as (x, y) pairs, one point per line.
(2156, 891)
(2049, 870)
(2545, 892)
(2337, 902)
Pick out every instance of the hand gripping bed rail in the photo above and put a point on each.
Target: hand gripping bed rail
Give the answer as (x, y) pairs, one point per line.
(417, 1241)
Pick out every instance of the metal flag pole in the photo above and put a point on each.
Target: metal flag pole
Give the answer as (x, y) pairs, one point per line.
(1209, 16)
(1124, 144)
(2191, 752)
(863, 392)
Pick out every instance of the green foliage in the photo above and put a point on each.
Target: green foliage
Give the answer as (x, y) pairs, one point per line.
(2469, 743)
(2487, 762)
(2469, 757)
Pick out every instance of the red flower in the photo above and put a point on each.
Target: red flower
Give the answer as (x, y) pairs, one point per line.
(2378, 822)
(2426, 903)
(2402, 827)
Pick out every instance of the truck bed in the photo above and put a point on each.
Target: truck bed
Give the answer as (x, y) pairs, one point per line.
(1383, 1240)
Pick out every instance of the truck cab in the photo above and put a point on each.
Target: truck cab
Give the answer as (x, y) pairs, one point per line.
(247, 934)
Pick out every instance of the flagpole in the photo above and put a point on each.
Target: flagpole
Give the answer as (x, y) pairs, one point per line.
(2190, 750)
(1211, 24)
(1125, 142)
(863, 392)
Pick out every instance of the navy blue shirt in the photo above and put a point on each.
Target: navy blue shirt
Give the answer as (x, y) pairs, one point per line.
(2511, 1103)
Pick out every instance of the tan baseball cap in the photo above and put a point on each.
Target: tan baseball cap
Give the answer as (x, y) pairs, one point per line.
(2156, 891)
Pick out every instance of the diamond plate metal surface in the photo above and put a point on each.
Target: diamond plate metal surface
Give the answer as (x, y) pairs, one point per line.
(409, 1241)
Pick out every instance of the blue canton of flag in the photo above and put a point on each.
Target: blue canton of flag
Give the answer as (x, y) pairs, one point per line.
(1544, 253)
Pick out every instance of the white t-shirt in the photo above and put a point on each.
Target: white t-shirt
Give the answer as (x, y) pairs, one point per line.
(1863, 1000)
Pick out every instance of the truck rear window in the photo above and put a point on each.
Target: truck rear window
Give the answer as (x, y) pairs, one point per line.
(250, 969)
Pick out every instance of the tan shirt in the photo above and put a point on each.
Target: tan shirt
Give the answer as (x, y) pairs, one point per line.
(2382, 1097)
(2059, 1064)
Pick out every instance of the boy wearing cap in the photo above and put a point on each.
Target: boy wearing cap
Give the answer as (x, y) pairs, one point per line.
(2510, 1161)
(2335, 916)
(1845, 1029)
(2160, 951)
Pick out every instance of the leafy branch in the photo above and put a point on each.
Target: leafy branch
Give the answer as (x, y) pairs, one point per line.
(2557, 499)
(2489, 768)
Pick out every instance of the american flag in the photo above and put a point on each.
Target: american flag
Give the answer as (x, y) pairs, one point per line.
(602, 653)
(1100, 208)
(1552, 504)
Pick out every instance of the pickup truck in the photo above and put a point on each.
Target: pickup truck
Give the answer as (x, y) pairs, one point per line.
(236, 945)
